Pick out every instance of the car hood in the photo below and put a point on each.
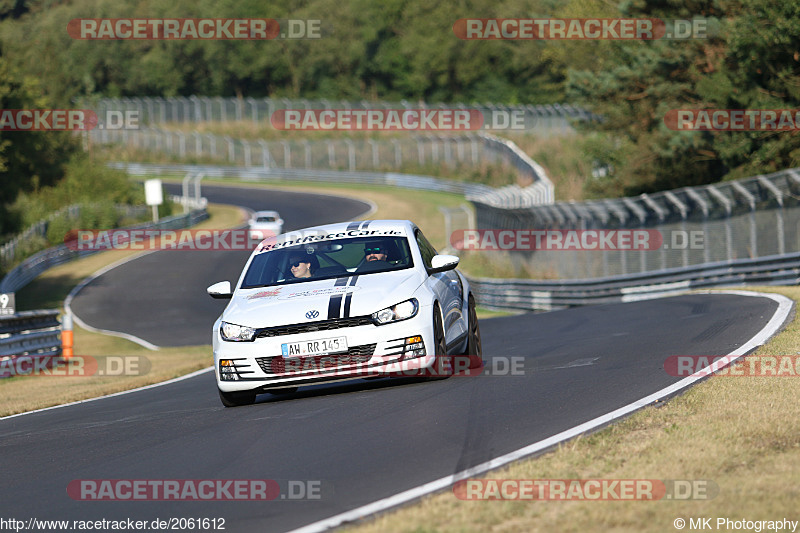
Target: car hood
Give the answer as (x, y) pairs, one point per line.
(321, 300)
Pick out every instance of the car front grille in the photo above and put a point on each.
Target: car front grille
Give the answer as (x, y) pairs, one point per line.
(322, 325)
(280, 365)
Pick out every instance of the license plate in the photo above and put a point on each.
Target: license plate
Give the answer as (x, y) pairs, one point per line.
(315, 347)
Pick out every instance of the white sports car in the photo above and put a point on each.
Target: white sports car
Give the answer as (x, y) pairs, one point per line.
(342, 301)
(265, 224)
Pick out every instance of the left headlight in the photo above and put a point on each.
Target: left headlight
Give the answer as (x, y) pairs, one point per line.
(401, 311)
(236, 333)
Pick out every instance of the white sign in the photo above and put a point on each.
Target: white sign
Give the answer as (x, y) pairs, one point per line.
(6, 304)
(153, 194)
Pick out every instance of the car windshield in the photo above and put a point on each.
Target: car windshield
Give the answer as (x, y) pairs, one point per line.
(331, 259)
(266, 219)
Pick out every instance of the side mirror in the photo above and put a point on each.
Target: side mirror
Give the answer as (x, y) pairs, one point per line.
(220, 290)
(443, 263)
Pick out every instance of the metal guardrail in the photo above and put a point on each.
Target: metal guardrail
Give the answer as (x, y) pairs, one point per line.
(525, 294)
(31, 267)
(32, 334)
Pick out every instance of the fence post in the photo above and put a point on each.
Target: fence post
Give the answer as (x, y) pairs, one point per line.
(398, 156)
(265, 157)
(351, 154)
(287, 154)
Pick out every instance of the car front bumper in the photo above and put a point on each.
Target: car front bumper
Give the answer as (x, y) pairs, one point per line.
(373, 351)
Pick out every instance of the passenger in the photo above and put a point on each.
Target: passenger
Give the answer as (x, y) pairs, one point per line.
(301, 266)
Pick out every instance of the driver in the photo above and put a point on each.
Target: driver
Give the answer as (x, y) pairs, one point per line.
(375, 252)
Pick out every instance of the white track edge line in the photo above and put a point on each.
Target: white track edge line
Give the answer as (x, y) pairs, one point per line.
(785, 306)
(75, 290)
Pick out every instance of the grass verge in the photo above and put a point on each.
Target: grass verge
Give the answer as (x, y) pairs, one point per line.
(740, 433)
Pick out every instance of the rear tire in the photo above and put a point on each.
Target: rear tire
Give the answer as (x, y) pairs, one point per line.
(237, 398)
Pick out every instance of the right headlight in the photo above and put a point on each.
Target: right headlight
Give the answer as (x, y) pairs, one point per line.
(235, 333)
(395, 313)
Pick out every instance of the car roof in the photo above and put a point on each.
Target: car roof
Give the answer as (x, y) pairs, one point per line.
(265, 213)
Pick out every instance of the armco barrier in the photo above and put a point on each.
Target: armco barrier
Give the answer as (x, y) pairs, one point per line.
(545, 295)
(32, 334)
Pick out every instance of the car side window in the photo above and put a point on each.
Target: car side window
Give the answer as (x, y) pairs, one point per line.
(425, 248)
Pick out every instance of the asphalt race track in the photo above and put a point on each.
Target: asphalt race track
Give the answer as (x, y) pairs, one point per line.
(361, 441)
(161, 297)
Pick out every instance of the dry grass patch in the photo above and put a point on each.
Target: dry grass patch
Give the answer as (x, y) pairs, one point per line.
(739, 432)
(27, 393)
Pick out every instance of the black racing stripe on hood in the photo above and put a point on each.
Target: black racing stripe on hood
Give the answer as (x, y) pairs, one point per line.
(335, 303)
(347, 300)
(333, 306)
(353, 226)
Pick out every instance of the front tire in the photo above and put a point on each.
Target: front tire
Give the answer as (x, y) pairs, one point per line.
(474, 347)
(238, 398)
(443, 363)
